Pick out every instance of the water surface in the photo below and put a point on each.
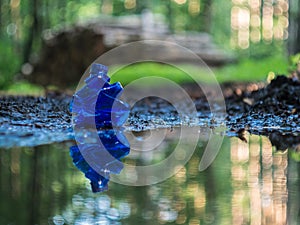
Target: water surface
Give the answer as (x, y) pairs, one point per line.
(247, 183)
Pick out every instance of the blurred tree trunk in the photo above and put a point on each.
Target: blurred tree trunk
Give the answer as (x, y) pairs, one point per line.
(62, 7)
(207, 15)
(1, 28)
(33, 30)
(34, 188)
(294, 27)
(170, 16)
(16, 19)
(46, 20)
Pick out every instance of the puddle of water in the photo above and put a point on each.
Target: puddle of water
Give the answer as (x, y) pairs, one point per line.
(247, 183)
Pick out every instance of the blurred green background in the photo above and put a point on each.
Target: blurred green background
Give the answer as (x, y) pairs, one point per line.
(261, 35)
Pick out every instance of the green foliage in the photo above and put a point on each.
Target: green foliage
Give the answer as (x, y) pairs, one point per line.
(9, 63)
(295, 155)
(24, 88)
(294, 62)
(252, 69)
(245, 70)
(295, 59)
(211, 16)
(262, 50)
(139, 70)
(220, 23)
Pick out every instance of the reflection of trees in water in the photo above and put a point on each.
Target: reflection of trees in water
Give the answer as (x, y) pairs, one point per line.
(35, 182)
(247, 184)
(259, 182)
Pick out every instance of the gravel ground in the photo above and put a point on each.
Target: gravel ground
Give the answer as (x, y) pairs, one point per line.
(271, 110)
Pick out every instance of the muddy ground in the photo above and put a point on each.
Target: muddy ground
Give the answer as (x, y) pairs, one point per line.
(272, 110)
